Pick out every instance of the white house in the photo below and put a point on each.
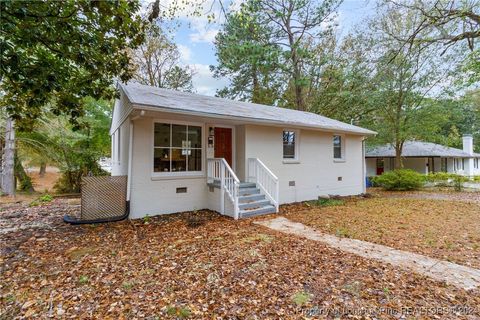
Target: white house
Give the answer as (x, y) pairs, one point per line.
(426, 157)
(183, 151)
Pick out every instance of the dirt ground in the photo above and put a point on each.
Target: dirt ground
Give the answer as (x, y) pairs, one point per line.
(199, 265)
(44, 184)
(41, 185)
(442, 225)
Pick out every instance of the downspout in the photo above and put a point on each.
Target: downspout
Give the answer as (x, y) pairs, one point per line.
(364, 175)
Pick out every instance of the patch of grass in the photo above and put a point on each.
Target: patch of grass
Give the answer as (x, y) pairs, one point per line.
(178, 312)
(325, 202)
(343, 232)
(83, 280)
(301, 298)
(127, 285)
(261, 237)
(10, 298)
(146, 219)
(43, 199)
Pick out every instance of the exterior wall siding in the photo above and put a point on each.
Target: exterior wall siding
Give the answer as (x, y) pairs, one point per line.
(120, 140)
(316, 173)
(153, 196)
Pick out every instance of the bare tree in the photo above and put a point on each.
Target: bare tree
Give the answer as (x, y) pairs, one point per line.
(8, 159)
(444, 21)
(157, 63)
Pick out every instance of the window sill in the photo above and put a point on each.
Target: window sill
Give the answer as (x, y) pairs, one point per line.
(175, 176)
(339, 160)
(291, 161)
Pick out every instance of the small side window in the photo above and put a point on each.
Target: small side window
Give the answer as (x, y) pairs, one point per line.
(289, 144)
(338, 152)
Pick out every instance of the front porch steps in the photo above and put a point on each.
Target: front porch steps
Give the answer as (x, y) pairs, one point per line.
(250, 201)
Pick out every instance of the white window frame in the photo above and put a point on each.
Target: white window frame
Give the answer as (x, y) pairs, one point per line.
(342, 148)
(178, 174)
(296, 158)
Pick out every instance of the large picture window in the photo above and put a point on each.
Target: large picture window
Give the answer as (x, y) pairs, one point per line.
(338, 153)
(177, 148)
(289, 141)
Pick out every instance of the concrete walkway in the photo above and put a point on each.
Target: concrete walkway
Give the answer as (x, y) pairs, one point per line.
(454, 274)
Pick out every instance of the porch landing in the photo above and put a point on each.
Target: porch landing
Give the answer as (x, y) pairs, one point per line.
(251, 202)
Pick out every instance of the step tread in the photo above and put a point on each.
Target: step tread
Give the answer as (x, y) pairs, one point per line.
(254, 204)
(255, 211)
(250, 198)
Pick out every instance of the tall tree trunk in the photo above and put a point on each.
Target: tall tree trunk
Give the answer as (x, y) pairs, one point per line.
(24, 180)
(398, 155)
(43, 169)
(8, 178)
(256, 86)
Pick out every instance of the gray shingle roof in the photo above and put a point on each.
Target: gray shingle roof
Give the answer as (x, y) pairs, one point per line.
(142, 95)
(419, 149)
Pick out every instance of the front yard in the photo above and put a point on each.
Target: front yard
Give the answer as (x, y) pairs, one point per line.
(201, 265)
(442, 225)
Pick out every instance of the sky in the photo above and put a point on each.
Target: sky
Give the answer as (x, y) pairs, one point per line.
(194, 36)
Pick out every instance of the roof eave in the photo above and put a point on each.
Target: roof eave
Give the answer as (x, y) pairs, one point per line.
(363, 132)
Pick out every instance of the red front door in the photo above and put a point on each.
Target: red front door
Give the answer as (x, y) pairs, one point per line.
(223, 144)
(380, 166)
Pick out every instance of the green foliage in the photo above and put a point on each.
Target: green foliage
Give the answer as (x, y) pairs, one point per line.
(343, 232)
(59, 52)
(400, 180)
(157, 63)
(301, 298)
(326, 202)
(75, 151)
(458, 182)
(178, 312)
(448, 180)
(83, 279)
(248, 58)
(43, 199)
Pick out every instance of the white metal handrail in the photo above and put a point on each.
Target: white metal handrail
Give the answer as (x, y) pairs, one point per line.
(266, 181)
(218, 170)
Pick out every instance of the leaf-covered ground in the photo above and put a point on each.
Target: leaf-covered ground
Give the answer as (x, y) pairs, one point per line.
(199, 265)
(443, 225)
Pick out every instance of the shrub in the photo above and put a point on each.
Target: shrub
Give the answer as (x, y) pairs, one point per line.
(401, 180)
(458, 182)
(325, 202)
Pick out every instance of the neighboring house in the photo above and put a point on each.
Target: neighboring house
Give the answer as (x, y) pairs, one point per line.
(426, 157)
(183, 151)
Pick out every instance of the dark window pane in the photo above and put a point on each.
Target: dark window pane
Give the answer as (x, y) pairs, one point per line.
(288, 144)
(337, 153)
(161, 160)
(194, 137)
(289, 151)
(179, 160)
(195, 160)
(337, 147)
(162, 135)
(179, 136)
